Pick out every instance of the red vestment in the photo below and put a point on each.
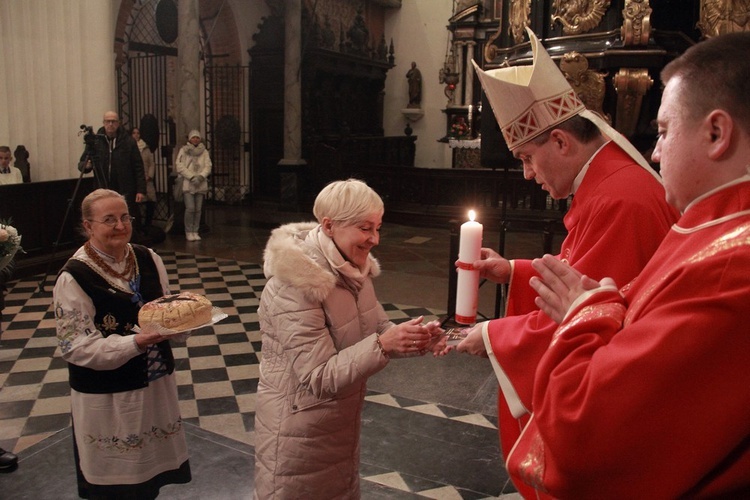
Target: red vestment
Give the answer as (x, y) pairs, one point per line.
(616, 221)
(646, 393)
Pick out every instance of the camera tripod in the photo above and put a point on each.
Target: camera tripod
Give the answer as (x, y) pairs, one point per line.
(90, 158)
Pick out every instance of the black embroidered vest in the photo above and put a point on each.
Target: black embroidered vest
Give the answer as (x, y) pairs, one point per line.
(117, 313)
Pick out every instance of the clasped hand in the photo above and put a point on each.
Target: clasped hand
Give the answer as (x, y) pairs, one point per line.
(560, 285)
(412, 337)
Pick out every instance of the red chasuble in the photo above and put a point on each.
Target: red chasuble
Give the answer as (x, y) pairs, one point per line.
(616, 221)
(646, 394)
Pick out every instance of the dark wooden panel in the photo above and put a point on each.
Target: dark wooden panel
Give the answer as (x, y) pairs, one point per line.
(38, 211)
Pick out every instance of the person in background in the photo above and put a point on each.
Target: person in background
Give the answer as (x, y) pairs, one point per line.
(324, 333)
(8, 173)
(644, 391)
(128, 434)
(149, 169)
(616, 220)
(194, 165)
(121, 165)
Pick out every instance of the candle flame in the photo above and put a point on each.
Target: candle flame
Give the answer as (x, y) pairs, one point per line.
(472, 215)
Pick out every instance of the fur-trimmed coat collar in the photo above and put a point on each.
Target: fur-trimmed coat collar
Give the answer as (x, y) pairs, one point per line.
(293, 260)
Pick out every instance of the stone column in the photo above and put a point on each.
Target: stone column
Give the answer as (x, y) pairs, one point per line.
(291, 172)
(188, 70)
(189, 105)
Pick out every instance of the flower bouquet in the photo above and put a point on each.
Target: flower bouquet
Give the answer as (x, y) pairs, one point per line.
(10, 243)
(459, 128)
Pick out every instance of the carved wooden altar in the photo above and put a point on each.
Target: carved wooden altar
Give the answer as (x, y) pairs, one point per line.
(611, 51)
(344, 62)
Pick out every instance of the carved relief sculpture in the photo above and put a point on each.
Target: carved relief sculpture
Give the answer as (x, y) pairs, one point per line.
(636, 22)
(518, 18)
(631, 85)
(724, 16)
(490, 50)
(578, 16)
(588, 84)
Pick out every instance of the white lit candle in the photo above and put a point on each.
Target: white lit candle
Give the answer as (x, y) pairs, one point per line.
(467, 288)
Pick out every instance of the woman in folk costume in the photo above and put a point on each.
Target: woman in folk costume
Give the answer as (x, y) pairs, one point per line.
(194, 165)
(128, 434)
(324, 333)
(616, 220)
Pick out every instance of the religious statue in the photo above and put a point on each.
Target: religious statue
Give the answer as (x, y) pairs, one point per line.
(414, 76)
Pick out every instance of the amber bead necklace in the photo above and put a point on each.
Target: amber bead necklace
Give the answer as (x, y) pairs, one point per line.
(129, 266)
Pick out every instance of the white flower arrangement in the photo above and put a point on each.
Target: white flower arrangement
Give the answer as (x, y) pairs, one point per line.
(10, 243)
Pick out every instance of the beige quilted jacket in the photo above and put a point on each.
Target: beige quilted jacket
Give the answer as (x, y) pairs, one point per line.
(319, 347)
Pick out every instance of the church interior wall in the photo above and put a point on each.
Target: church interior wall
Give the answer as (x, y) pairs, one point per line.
(58, 65)
(419, 34)
(57, 73)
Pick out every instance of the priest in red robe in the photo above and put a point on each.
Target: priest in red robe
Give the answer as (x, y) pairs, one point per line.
(616, 220)
(644, 392)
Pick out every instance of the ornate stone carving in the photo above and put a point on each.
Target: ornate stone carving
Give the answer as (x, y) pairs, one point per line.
(578, 16)
(724, 16)
(490, 50)
(518, 18)
(588, 84)
(631, 85)
(636, 23)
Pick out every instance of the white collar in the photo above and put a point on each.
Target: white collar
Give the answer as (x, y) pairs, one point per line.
(579, 178)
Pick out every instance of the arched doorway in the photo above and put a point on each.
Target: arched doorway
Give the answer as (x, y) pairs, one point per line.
(146, 50)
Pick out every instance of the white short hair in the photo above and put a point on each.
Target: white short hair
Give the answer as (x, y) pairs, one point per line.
(348, 201)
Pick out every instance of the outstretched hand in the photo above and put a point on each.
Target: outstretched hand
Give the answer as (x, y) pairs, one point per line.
(560, 285)
(409, 337)
(473, 343)
(414, 338)
(438, 342)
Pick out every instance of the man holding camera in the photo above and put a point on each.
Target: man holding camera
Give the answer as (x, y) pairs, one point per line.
(117, 163)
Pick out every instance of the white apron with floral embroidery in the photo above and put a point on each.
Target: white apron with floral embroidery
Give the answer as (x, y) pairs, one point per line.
(126, 429)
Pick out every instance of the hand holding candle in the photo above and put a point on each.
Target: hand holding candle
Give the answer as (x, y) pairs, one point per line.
(467, 288)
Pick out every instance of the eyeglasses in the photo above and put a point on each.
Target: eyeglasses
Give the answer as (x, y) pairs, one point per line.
(112, 221)
(111, 121)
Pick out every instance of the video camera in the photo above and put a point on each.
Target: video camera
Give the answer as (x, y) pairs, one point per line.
(90, 158)
(89, 137)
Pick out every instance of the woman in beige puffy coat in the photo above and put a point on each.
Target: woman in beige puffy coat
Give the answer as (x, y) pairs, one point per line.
(324, 333)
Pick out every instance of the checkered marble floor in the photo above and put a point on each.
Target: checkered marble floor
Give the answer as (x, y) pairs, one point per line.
(217, 376)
